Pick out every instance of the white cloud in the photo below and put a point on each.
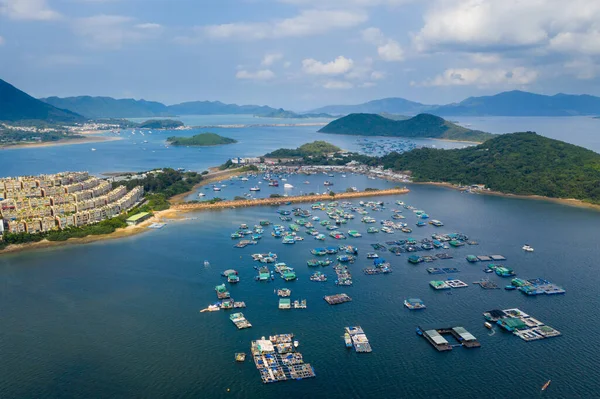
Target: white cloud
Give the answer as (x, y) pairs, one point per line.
(489, 25)
(480, 77)
(338, 66)
(263, 74)
(337, 85)
(376, 75)
(287, 64)
(388, 49)
(346, 3)
(577, 42)
(482, 58)
(114, 31)
(584, 68)
(37, 10)
(270, 59)
(306, 23)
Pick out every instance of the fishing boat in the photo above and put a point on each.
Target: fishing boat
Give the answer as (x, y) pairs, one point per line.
(233, 278)
(372, 255)
(240, 357)
(288, 240)
(296, 343)
(274, 183)
(284, 292)
(527, 248)
(354, 233)
(328, 183)
(546, 385)
(255, 188)
(372, 230)
(421, 223)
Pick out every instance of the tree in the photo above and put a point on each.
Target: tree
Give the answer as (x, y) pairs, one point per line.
(332, 194)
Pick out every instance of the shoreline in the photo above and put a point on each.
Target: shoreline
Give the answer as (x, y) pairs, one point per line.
(404, 138)
(84, 140)
(562, 201)
(214, 175)
(129, 231)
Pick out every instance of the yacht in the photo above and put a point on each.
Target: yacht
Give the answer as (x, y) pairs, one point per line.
(255, 188)
(288, 185)
(527, 248)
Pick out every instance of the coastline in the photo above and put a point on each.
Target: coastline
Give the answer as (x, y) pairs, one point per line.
(214, 175)
(159, 216)
(405, 138)
(85, 140)
(562, 201)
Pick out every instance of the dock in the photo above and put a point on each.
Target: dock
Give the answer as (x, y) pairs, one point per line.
(521, 324)
(336, 299)
(359, 339)
(277, 360)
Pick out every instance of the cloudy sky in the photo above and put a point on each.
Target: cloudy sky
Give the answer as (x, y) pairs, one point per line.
(299, 54)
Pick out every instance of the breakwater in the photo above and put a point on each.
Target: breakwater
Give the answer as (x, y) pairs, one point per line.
(286, 200)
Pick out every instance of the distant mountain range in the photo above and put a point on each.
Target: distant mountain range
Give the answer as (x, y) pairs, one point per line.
(16, 105)
(420, 126)
(281, 113)
(510, 103)
(108, 107)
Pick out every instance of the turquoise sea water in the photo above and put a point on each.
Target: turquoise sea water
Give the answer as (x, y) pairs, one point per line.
(121, 318)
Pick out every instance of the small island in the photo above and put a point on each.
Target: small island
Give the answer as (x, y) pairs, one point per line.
(201, 140)
(316, 148)
(420, 126)
(160, 124)
(283, 114)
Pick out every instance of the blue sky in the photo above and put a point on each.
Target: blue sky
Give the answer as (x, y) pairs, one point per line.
(299, 54)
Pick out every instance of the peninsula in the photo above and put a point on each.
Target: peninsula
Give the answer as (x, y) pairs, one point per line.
(306, 150)
(201, 140)
(420, 126)
(160, 124)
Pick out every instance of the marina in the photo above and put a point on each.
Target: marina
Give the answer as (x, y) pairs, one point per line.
(277, 360)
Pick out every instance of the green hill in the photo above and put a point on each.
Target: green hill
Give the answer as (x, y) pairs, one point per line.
(160, 124)
(517, 163)
(282, 113)
(420, 126)
(16, 105)
(108, 107)
(201, 140)
(305, 150)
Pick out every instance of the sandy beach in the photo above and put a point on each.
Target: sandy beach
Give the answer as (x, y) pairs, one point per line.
(85, 140)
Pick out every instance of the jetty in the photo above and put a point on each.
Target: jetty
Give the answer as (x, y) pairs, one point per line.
(277, 360)
(284, 200)
(336, 299)
(359, 339)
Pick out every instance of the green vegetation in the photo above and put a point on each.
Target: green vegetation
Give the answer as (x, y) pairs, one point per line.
(160, 124)
(518, 163)
(202, 140)
(16, 105)
(12, 136)
(275, 196)
(422, 125)
(315, 148)
(107, 107)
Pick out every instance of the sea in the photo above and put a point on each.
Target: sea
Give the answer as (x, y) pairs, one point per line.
(120, 318)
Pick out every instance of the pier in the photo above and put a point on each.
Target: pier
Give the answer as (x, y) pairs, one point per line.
(285, 200)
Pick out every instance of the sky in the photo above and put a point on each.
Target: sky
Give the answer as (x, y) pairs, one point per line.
(299, 54)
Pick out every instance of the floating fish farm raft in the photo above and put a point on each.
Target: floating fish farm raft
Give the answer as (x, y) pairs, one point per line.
(460, 334)
(447, 284)
(521, 324)
(359, 339)
(537, 286)
(443, 270)
(336, 299)
(486, 284)
(277, 360)
(240, 321)
(414, 304)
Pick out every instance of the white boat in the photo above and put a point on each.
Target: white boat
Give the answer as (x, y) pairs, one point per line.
(255, 188)
(527, 248)
(296, 343)
(307, 182)
(201, 194)
(216, 188)
(244, 179)
(288, 185)
(93, 149)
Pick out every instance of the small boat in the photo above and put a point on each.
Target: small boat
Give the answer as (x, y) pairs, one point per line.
(296, 343)
(201, 195)
(240, 357)
(288, 185)
(510, 288)
(546, 385)
(487, 324)
(328, 183)
(93, 149)
(216, 188)
(244, 179)
(347, 340)
(255, 188)
(372, 255)
(527, 248)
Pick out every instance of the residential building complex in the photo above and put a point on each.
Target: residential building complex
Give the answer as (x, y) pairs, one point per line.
(33, 204)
